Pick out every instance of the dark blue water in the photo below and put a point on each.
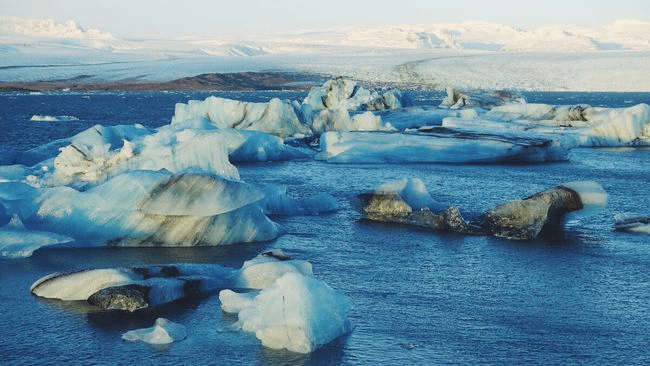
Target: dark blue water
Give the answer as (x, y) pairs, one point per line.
(419, 297)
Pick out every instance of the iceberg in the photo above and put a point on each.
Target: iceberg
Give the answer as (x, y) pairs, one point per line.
(587, 126)
(457, 99)
(275, 117)
(343, 105)
(349, 95)
(297, 312)
(544, 212)
(163, 332)
(158, 209)
(440, 145)
(92, 156)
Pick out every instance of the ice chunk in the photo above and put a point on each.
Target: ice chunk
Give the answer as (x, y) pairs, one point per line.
(592, 197)
(170, 149)
(233, 302)
(163, 332)
(413, 191)
(275, 117)
(47, 118)
(420, 116)
(349, 95)
(439, 145)
(340, 120)
(519, 220)
(297, 312)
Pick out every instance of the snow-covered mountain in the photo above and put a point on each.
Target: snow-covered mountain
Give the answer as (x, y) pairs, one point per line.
(470, 54)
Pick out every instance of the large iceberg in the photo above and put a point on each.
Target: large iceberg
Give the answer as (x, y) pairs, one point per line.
(158, 209)
(406, 202)
(440, 145)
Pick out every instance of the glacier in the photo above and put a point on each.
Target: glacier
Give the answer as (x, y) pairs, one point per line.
(472, 54)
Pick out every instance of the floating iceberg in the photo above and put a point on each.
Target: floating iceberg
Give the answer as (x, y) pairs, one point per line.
(405, 202)
(440, 145)
(275, 117)
(333, 107)
(296, 312)
(457, 99)
(158, 209)
(163, 332)
(94, 156)
(587, 126)
(349, 95)
(547, 210)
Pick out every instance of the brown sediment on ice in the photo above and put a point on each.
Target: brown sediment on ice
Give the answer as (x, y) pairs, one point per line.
(240, 81)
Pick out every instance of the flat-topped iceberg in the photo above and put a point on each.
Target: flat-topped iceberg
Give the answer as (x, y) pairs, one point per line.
(440, 145)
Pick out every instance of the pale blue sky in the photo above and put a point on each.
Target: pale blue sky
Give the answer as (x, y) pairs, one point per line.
(132, 18)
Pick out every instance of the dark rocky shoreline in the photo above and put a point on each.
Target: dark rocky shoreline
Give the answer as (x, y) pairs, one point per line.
(241, 81)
